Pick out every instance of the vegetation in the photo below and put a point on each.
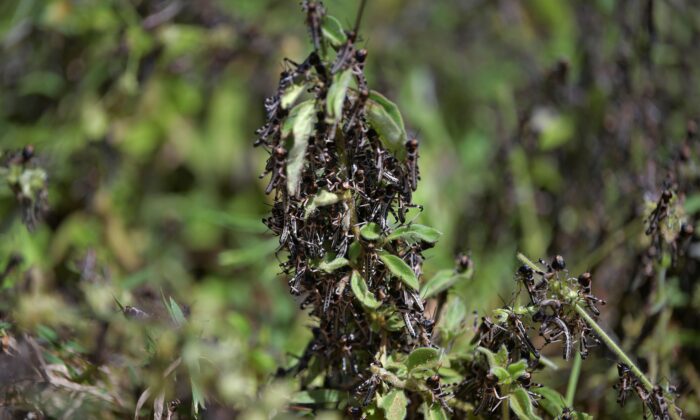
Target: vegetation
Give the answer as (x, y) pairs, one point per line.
(139, 280)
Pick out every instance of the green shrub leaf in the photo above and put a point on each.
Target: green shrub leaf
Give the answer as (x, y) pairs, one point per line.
(362, 293)
(317, 396)
(415, 233)
(371, 231)
(434, 412)
(322, 198)
(303, 118)
(501, 373)
(331, 266)
(336, 95)
(552, 401)
(400, 269)
(384, 116)
(394, 405)
(333, 31)
(291, 93)
(441, 281)
(517, 369)
(422, 356)
(521, 405)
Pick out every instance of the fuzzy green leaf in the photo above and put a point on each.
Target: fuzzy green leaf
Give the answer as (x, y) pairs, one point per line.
(501, 373)
(521, 405)
(362, 293)
(452, 316)
(291, 93)
(517, 369)
(422, 356)
(336, 95)
(441, 281)
(331, 266)
(303, 117)
(384, 116)
(371, 231)
(332, 30)
(354, 251)
(415, 233)
(490, 356)
(433, 412)
(394, 405)
(321, 199)
(552, 401)
(400, 269)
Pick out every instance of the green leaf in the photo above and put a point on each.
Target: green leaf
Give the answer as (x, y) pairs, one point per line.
(433, 412)
(521, 405)
(371, 231)
(452, 316)
(517, 369)
(176, 313)
(332, 30)
(174, 310)
(490, 356)
(321, 199)
(198, 399)
(502, 374)
(291, 93)
(422, 356)
(501, 357)
(415, 233)
(362, 293)
(331, 266)
(384, 116)
(394, 405)
(552, 401)
(336, 95)
(441, 281)
(303, 119)
(400, 269)
(316, 396)
(354, 251)
(250, 254)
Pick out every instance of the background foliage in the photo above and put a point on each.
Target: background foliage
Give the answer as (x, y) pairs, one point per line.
(545, 126)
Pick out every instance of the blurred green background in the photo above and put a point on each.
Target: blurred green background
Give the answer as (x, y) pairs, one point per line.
(545, 126)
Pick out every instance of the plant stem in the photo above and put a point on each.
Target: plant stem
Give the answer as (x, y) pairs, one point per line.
(614, 347)
(573, 380)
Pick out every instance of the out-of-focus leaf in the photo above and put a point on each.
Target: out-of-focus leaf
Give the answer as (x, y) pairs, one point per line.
(521, 405)
(333, 31)
(371, 231)
(248, 254)
(394, 405)
(421, 357)
(400, 269)
(415, 233)
(317, 396)
(362, 293)
(452, 317)
(336, 95)
(322, 198)
(441, 281)
(384, 116)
